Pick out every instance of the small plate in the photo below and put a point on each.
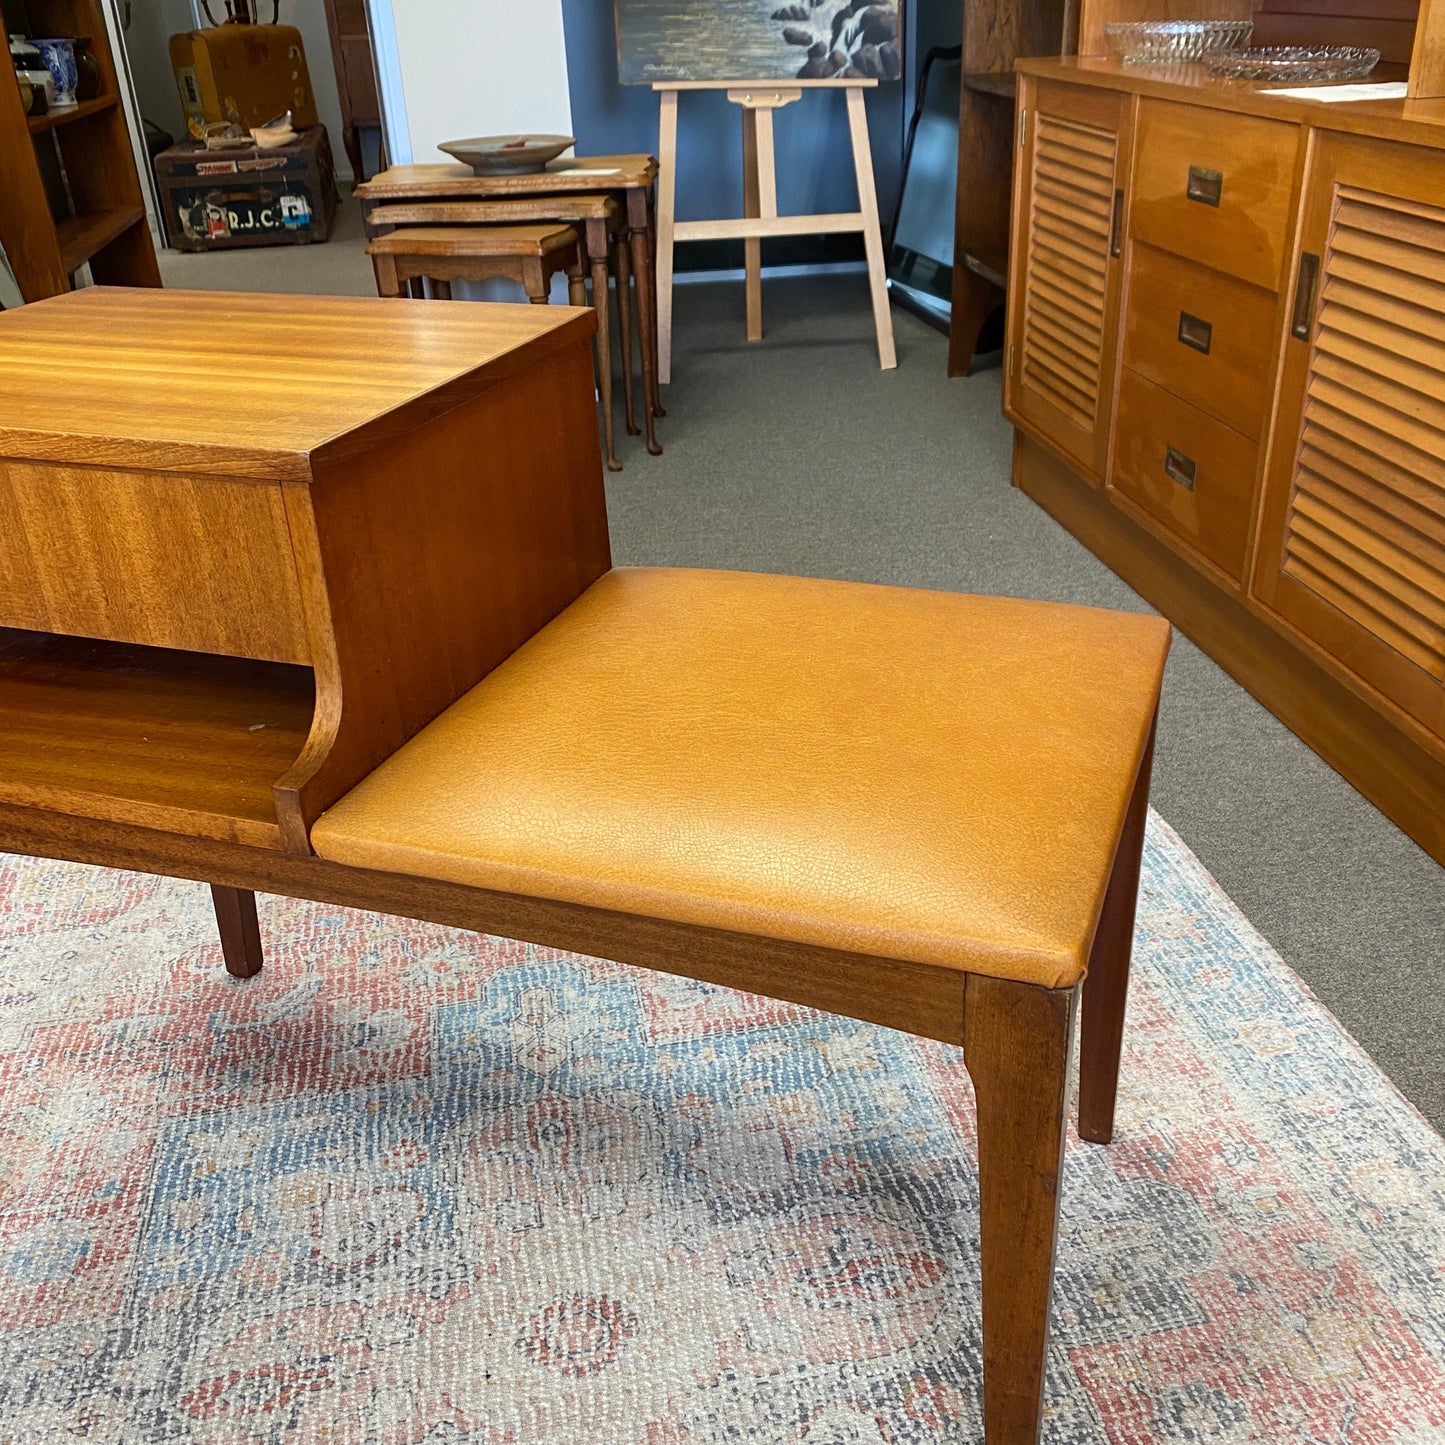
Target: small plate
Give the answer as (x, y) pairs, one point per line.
(1295, 62)
(507, 155)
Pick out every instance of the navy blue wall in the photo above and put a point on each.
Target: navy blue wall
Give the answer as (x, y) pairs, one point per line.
(815, 158)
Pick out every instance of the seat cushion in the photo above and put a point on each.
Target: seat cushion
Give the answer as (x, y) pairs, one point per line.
(914, 775)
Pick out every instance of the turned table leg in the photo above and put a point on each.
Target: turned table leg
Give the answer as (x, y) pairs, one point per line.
(597, 246)
(622, 270)
(639, 219)
(1016, 1044)
(240, 930)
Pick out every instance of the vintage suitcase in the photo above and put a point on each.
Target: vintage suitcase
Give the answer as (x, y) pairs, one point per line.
(221, 199)
(250, 73)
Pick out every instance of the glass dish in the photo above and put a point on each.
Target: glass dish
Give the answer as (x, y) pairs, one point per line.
(1296, 62)
(1172, 42)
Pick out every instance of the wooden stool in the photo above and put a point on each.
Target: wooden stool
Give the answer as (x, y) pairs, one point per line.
(603, 227)
(529, 255)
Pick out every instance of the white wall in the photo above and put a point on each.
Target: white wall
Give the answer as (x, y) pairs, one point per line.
(152, 23)
(309, 17)
(474, 67)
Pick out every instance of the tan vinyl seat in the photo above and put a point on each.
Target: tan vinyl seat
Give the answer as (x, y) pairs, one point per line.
(906, 774)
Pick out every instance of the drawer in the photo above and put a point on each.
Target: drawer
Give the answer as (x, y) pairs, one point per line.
(198, 563)
(1202, 335)
(1215, 187)
(1192, 474)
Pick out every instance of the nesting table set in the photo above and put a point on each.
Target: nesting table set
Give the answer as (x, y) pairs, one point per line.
(440, 222)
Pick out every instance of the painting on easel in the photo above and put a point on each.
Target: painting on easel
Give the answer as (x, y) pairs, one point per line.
(660, 40)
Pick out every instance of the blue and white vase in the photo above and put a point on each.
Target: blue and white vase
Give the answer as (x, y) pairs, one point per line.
(59, 57)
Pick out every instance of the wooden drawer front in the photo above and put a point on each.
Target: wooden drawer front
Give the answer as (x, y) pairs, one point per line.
(1215, 187)
(1191, 473)
(1202, 335)
(197, 563)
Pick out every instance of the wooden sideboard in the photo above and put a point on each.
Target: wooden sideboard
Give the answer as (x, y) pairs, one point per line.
(227, 594)
(1226, 368)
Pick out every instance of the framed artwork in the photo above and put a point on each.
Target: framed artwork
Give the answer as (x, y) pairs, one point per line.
(661, 40)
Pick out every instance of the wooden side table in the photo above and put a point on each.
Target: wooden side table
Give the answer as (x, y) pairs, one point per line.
(528, 255)
(603, 226)
(219, 611)
(630, 178)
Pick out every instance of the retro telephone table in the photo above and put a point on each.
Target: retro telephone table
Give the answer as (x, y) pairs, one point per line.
(346, 628)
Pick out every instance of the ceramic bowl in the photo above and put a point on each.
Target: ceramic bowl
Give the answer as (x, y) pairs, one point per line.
(1174, 42)
(507, 155)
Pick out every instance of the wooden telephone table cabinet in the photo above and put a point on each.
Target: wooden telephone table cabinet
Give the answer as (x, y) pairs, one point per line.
(360, 601)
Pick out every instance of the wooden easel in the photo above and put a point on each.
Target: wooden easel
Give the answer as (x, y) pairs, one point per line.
(758, 100)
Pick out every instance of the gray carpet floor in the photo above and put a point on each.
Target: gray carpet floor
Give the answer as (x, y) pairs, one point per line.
(799, 455)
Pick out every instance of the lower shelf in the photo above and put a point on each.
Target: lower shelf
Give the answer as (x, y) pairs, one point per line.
(183, 741)
(81, 236)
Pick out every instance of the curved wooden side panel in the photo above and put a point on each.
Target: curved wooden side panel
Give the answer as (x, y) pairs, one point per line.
(295, 824)
(427, 560)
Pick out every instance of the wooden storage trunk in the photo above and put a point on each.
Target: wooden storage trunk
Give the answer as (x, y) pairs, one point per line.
(222, 199)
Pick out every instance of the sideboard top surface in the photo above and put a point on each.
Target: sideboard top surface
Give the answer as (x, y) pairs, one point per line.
(1418, 122)
(247, 385)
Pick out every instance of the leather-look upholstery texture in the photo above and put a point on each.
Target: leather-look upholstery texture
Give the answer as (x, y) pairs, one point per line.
(907, 774)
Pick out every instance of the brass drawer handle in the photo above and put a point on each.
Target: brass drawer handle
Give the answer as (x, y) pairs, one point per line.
(1196, 332)
(1304, 296)
(1204, 186)
(1179, 468)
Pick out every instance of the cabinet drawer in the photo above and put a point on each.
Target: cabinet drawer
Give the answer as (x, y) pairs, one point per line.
(1215, 187)
(1202, 335)
(1191, 473)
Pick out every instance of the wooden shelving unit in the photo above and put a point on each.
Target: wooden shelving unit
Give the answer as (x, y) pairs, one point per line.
(995, 34)
(92, 210)
(86, 108)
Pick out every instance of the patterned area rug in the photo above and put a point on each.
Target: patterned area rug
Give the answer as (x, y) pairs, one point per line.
(416, 1185)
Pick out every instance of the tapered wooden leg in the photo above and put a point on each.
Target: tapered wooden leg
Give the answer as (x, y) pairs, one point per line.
(1106, 988)
(1016, 1042)
(240, 930)
(622, 269)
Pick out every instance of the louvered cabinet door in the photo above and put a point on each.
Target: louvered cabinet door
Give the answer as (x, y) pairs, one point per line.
(1063, 307)
(1353, 531)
